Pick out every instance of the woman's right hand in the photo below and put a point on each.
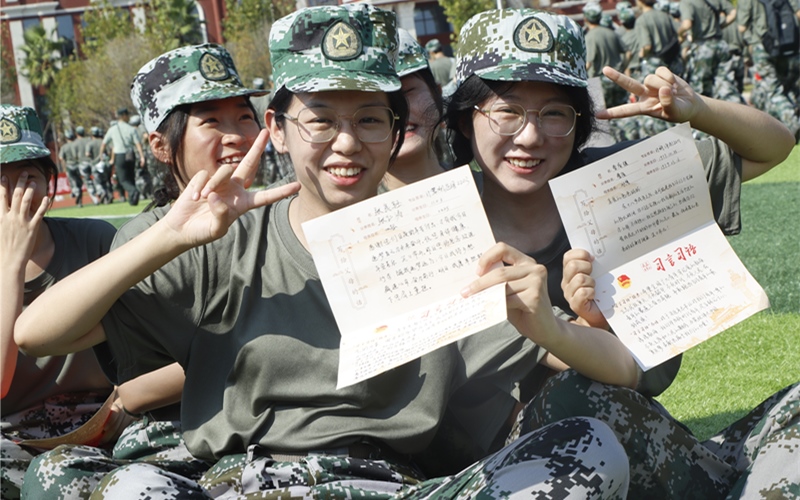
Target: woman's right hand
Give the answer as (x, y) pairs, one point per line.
(209, 205)
(19, 222)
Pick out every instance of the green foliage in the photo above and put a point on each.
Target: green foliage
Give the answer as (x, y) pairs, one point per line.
(42, 56)
(103, 24)
(458, 12)
(244, 16)
(8, 74)
(105, 76)
(172, 24)
(246, 26)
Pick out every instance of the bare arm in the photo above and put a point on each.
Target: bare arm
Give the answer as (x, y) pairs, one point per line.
(592, 352)
(745, 129)
(19, 228)
(203, 213)
(153, 390)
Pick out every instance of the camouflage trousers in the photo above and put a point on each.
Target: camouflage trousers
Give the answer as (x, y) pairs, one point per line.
(574, 458)
(776, 89)
(708, 70)
(614, 95)
(74, 471)
(755, 457)
(57, 416)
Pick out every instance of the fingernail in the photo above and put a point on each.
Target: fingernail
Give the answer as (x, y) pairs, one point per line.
(465, 291)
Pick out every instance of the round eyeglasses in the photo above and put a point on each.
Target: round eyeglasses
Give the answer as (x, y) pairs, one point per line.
(554, 120)
(318, 125)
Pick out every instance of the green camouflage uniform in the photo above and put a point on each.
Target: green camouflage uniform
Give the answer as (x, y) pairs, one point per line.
(709, 61)
(69, 154)
(185, 75)
(755, 457)
(353, 47)
(776, 82)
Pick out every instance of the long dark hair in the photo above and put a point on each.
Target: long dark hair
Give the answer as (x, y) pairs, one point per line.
(476, 90)
(397, 102)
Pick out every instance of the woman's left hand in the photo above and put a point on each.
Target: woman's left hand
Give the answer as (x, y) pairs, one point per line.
(663, 95)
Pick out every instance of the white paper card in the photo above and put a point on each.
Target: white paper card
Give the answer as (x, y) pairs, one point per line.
(666, 277)
(393, 267)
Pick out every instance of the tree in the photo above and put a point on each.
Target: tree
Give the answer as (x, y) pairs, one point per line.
(106, 76)
(42, 56)
(247, 25)
(104, 23)
(8, 74)
(173, 23)
(458, 12)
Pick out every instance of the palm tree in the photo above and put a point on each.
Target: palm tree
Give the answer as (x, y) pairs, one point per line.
(42, 56)
(175, 23)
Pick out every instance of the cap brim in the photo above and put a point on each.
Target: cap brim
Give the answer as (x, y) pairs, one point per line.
(531, 73)
(337, 79)
(22, 151)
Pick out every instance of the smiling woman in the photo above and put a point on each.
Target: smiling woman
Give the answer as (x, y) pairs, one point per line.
(224, 284)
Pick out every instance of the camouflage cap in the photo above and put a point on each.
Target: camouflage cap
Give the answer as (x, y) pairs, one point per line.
(623, 4)
(20, 134)
(625, 15)
(186, 75)
(592, 12)
(410, 55)
(80, 130)
(335, 47)
(433, 45)
(606, 21)
(522, 45)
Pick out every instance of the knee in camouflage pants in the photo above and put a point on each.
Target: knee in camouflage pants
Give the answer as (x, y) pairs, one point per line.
(73, 471)
(756, 457)
(575, 458)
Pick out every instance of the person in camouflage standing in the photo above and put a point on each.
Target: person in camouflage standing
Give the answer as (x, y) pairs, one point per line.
(275, 425)
(101, 169)
(604, 48)
(776, 89)
(70, 156)
(42, 397)
(631, 127)
(84, 163)
(709, 56)
(126, 149)
(523, 114)
(655, 32)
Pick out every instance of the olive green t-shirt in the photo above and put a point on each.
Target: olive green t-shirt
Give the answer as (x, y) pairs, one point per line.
(77, 243)
(603, 48)
(654, 28)
(247, 318)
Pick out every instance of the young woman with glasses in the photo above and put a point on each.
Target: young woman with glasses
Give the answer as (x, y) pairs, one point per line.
(522, 112)
(226, 286)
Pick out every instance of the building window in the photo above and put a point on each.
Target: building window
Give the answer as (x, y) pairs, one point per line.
(66, 33)
(429, 19)
(30, 23)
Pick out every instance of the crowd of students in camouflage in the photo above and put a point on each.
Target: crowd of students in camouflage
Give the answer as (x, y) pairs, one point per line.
(721, 48)
(458, 422)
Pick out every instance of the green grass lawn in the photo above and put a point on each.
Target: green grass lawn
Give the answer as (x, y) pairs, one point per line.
(723, 378)
(728, 375)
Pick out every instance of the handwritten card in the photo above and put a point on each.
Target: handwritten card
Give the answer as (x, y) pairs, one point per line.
(393, 267)
(666, 277)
